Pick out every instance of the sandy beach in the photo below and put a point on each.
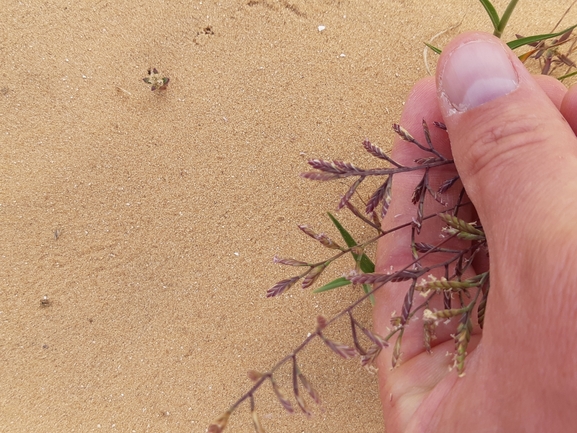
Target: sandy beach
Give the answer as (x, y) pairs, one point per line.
(139, 226)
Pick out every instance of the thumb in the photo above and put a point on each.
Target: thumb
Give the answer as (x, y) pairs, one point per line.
(517, 158)
(515, 152)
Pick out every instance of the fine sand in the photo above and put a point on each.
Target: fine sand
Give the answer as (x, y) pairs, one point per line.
(147, 221)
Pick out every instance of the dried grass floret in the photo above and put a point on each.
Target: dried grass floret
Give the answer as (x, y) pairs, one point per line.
(342, 350)
(309, 388)
(280, 396)
(300, 401)
(345, 199)
(461, 228)
(289, 262)
(219, 425)
(378, 152)
(462, 338)
(281, 286)
(313, 275)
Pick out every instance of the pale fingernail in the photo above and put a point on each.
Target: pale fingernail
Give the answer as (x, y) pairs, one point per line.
(475, 73)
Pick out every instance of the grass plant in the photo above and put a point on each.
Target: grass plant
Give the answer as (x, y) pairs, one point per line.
(464, 296)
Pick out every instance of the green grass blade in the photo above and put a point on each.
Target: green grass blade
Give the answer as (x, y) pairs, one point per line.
(492, 13)
(572, 74)
(505, 18)
(530, 39)
(366, 264)
(345, 234)
(367, 289)
(339, 282)
(433, 48)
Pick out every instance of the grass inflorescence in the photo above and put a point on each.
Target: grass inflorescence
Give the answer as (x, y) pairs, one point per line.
(422, 289)
(461, 293)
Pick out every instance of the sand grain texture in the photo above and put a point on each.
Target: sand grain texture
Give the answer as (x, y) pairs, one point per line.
(169, 206)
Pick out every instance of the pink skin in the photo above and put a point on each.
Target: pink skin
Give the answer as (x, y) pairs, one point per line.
(521, 174)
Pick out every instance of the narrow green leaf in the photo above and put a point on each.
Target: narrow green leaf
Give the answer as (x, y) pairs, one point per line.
(435, 49)
(366, 264)
(491, 12)
(339, 282)
(530, 39)
(367, 288)
(572, 74)
(345, 234)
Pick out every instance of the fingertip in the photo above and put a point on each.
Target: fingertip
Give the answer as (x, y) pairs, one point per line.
(474, 68)
(554, 88)
(421, 104)
(503, 124)
(513, 147)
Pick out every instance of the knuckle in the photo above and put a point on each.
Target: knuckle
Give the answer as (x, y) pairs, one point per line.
(503, 145)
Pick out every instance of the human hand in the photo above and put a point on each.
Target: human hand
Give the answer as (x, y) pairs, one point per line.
(512, 137)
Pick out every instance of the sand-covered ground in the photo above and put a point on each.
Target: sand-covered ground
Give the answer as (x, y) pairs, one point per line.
(149, 220)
